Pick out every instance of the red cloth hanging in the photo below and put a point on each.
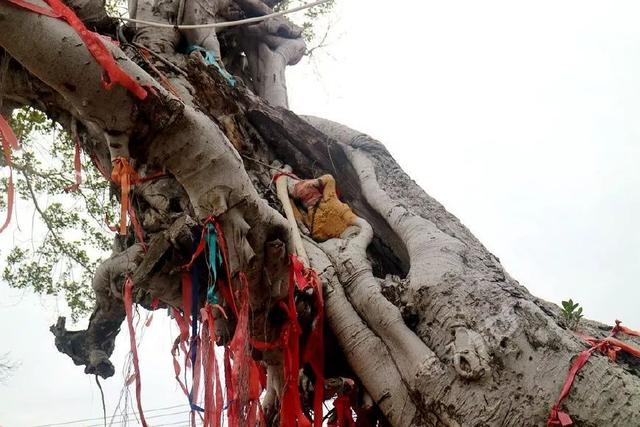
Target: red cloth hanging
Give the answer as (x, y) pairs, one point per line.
(291, 413)
(344, 416)
(212, 391)
(113, 74)
(137, 228)
(625, 330)
(155, 303)
(245, 384)
(9, 143)
(610, 346)
(128, 307)
(225, 286)
(313, 353)
(179, 343)
(124, 175)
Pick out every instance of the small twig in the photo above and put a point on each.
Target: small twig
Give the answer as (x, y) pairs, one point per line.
(161, 58)
(260, 163)
(321, 43)
(47, 222)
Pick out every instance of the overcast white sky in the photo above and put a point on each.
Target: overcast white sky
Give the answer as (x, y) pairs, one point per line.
(520, 117)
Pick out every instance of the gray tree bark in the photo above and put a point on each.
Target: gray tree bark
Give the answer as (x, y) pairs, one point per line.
(426, 320)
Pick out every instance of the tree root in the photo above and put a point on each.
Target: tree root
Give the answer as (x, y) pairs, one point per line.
(366, 353)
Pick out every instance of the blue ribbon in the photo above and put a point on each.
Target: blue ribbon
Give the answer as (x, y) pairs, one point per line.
(215, 259)
(195, 308)
(211, 59)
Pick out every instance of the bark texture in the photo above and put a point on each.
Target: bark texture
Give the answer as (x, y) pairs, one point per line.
(423, 317)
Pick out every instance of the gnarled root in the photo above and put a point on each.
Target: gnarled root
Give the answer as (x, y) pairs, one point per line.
(348, 255)
(366, 353)
(93, 346)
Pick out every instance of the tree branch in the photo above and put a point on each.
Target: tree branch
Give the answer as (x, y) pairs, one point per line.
(59, 243)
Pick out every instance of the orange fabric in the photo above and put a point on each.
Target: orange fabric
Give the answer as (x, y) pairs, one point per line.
(326, 217)
(124, 175)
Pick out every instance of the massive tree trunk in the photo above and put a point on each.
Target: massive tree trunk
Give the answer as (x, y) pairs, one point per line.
(420, 314)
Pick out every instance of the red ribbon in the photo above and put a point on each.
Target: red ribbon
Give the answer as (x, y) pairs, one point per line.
(314, 349)
(344, 416)
(609, 346)
(245, 379)
(183, 326)
(313, 352)
(243, 376)
(113, 74)
(137, 228)
(128, 307)
(224, 286)
(625, 330)
(9, 143)
(213, 400)
(291, 414)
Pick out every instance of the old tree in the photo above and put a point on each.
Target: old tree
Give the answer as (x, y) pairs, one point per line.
(426, 321)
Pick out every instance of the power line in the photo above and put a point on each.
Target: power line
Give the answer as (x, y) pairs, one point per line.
(153, 416)
(100, 418)
(176, 424)
(224, 24)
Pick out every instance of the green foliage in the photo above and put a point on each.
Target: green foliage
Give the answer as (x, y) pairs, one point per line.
(67, 235)
(115, 7)
(310, 17)
(572, 313)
